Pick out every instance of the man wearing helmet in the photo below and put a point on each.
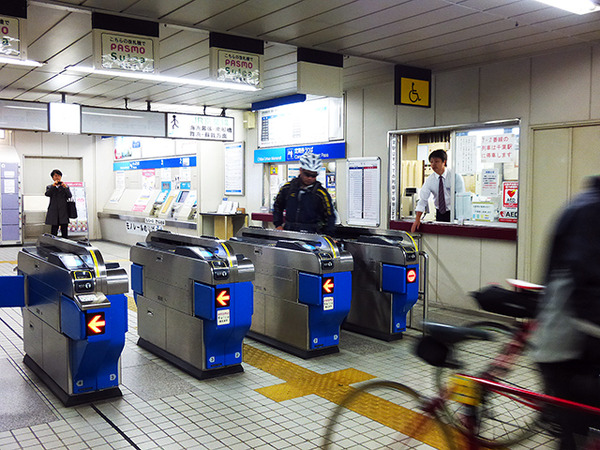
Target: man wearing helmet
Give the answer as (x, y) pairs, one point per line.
(307, 204)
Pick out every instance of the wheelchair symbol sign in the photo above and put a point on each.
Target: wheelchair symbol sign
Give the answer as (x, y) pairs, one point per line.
(414, 92)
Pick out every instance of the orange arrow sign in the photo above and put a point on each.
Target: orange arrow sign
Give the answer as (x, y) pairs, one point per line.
(328, 285)
(223, 297)
(97, 323)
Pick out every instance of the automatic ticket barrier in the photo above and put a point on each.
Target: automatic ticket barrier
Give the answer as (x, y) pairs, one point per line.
(302, 289)
(385, 282)
(194, 299)
(74, 317)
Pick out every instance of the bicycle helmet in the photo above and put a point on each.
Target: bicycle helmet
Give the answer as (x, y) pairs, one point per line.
(310, 161)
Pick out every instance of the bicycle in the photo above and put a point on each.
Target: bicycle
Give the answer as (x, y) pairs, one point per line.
(470, 392)
(502, 421)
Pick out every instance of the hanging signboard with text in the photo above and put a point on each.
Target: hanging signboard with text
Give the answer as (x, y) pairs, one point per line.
(10, 33)
(126, 44)
(236, 59)
(363, 190)
(206, 128)
(236, 67)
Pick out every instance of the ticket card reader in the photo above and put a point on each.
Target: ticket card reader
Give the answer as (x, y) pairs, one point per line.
(385, 282)
(302, 289)
(74, 318)
(159, 202)
(182, 208)
(194, 299)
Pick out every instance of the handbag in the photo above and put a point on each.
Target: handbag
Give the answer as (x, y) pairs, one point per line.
(72, 208)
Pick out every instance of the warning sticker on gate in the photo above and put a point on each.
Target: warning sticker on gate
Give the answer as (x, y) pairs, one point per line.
(223, 317)
(327, 303)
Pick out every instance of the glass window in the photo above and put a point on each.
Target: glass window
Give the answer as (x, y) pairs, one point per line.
(484, 163)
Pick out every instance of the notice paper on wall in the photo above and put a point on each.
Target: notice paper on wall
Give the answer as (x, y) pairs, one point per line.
(234, 168)
(364, 191)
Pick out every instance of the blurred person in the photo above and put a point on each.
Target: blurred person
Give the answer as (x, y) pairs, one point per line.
(58, 212)
(567, 339)
(307, 204)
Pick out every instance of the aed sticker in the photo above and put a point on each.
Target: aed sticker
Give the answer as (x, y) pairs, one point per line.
(223, 317)
(327, 303)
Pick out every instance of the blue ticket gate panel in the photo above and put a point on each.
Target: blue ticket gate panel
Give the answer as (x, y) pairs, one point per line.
(385, 285)
(194, 298)
(302, 289)
(74, 317)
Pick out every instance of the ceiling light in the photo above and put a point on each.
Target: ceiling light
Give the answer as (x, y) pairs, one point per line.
(20, 62)
(574, 6)
(140, 76)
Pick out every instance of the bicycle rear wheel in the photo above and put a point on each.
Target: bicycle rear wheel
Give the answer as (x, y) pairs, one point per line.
(501, 421)
(394, 405)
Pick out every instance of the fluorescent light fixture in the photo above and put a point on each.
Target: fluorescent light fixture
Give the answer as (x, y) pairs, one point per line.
(574, 6)
(32, 108)
(120, 116)
(20, 62)
(161, 78)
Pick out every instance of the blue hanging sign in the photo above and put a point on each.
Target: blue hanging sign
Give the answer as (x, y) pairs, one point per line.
(332, 150)
(184, 161)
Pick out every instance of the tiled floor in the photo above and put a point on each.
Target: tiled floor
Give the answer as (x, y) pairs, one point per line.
(163, 407)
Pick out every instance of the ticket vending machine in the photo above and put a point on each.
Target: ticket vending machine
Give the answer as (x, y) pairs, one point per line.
(74, 317)
(302, 289)
(194, 298)
(385, 282)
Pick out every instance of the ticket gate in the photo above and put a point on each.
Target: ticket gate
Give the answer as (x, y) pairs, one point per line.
(302, 289)
(194, 299)
(385, 282)
(74, 317)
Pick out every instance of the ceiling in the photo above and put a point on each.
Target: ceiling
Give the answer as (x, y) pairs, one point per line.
(372, 34)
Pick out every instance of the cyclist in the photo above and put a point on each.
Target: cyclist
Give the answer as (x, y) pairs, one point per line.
(307, 204)
(566, 340)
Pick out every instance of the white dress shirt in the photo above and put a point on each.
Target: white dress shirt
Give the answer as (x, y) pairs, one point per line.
(431, 187)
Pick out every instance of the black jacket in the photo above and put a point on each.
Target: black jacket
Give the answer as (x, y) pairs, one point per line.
(309, 209)
(57, 209)
(576, 249)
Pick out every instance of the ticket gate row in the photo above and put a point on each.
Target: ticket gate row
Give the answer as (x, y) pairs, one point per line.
(194, 301)
(198, 297)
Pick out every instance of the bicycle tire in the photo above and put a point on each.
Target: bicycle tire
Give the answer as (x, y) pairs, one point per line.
(427, 428)
(501, 421)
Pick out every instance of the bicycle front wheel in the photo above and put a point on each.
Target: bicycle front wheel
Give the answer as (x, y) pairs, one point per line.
(501, 421)
(394, 405)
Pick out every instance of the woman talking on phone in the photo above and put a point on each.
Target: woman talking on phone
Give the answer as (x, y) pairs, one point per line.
(58, 213)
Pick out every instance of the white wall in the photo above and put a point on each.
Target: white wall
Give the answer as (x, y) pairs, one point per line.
(544, 91)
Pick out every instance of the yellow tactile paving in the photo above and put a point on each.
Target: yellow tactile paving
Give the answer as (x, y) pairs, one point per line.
(9, 262)
(131, 303)
(334, 386)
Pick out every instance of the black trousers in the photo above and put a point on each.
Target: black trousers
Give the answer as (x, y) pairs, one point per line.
(442, 217)
(64, 230)
(575, 380)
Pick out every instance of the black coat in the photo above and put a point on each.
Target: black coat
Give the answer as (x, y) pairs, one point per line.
(58, 212)
(309, 209)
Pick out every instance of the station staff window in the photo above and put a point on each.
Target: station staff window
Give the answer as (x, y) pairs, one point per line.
(485, 157)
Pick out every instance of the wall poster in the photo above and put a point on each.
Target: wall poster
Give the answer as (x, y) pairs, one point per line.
(364, 191)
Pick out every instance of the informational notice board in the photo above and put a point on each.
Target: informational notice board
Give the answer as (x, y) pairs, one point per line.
(234, 168)
(79, 226)
(364, 191)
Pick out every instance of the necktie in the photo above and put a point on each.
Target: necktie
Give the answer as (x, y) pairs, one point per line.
(441, 197)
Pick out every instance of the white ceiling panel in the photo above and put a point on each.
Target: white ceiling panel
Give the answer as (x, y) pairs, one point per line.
(372, 34)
